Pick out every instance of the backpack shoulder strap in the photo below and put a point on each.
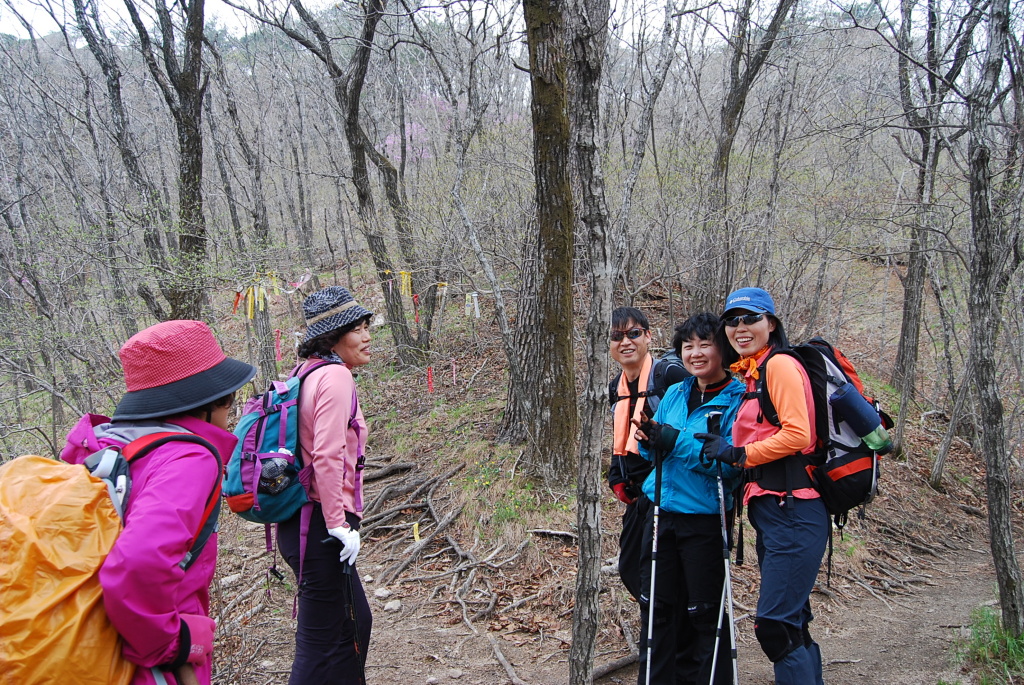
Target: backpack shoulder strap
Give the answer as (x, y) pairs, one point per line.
(613, 390)
(140, 447)
(764, 400)
(656, 384)
(318, 364)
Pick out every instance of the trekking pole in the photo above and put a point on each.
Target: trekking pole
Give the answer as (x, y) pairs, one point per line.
(346, 570)
(656, 452)
(714, 427)
(661, 437)
(360, 656)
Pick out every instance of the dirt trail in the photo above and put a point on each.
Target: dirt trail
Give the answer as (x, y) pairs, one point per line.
(911, 642)
(908, 642)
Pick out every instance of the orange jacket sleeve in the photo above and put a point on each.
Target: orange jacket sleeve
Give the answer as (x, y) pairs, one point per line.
(785, 381)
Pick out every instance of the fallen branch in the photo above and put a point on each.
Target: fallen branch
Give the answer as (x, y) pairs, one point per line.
(393, 491)
(386, 471)
(870, 589)
(973, 511)
(553, 533)
(418, 547)
(370, 522)
(612, 666)
(504, 662)
(518, 603)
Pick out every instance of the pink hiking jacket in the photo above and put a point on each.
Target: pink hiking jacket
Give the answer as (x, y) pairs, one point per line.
(332, 441)
(144, 589)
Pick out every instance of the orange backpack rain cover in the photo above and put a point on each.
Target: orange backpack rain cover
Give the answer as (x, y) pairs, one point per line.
(57, 525)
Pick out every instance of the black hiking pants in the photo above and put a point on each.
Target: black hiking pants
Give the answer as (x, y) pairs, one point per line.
(325, 650)
(631, 543)
(687, 603)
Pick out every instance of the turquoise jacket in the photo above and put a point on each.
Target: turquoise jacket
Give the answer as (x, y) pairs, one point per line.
(687, 486)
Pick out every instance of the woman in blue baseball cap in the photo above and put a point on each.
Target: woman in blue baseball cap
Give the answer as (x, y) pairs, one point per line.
(786, 511)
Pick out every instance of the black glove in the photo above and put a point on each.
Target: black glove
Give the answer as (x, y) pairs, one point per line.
(717, 448)
(661, 437)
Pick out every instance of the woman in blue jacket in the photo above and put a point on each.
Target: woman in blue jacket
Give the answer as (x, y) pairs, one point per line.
(690, 570)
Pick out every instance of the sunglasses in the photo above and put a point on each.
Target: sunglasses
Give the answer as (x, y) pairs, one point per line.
(632, 334)
(747, 319)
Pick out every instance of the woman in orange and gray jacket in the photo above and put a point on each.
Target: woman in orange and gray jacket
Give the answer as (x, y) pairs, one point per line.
(330, 647)
(786, 511)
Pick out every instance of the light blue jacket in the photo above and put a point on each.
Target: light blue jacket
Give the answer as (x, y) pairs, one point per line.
(687, 486)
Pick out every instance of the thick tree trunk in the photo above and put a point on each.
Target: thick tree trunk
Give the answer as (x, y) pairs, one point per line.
(188, 295)
(588, 30)
(995, 256)
(551, 390)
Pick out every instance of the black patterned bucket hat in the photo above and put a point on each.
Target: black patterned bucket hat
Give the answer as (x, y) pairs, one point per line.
(330, 309)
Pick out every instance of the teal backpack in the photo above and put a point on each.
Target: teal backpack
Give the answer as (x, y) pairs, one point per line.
(265, 480)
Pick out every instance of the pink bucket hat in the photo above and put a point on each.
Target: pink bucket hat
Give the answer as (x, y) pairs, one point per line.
(175, 366)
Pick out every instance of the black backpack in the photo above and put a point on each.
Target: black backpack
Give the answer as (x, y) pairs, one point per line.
(656, 384)
(843, 470)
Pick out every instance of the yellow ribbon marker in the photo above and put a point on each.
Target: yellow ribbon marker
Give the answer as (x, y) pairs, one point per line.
(416, 531)
(262, 297)
(249, 302)
(406, 284)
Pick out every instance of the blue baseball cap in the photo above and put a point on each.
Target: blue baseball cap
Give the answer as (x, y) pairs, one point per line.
(751, 300)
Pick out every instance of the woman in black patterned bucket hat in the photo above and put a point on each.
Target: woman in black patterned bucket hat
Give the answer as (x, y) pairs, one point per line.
(330, 310)
(334, 623)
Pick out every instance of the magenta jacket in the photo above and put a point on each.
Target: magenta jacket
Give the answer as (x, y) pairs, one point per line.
(144, 589)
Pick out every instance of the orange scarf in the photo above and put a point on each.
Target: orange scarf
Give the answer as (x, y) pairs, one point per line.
(747, 366)
(624, 442)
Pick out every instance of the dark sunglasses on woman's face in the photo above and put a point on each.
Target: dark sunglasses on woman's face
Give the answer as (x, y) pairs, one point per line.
(747, 319)
(632, 334)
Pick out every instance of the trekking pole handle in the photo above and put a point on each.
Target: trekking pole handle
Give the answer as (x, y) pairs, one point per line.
(346, 568)
(715, 422)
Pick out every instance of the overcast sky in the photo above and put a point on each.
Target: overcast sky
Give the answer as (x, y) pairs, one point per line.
(42, 23)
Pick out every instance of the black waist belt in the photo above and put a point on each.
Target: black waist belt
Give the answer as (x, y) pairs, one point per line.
(786, 474)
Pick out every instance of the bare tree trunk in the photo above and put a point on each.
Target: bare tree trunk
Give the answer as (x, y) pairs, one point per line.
(265, 353)
(184, 87)
(587, 22)
(155, 216)
(348, 86)
(996, 255)
(966, 382)
(718, 242)
(122, 308)
(551, 390)
(220, 155)
(925, 119)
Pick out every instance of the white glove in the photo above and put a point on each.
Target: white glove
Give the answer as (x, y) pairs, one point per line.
(350, 542)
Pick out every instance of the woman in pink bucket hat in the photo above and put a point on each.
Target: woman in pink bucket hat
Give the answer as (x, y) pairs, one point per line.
(334, 616)
(156, 579)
